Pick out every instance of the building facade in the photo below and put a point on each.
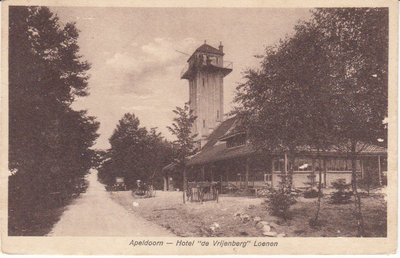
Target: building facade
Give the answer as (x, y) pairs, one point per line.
(226, 156)
(229, 158)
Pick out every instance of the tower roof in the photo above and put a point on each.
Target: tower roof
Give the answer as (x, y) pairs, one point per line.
(208, 61)
(205, 48)
(209, 49)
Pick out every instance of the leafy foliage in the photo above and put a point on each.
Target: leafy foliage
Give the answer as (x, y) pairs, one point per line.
(357, 40)
(311, 191)
(325, 85)
(280, 200)
(135, 154)
(181, 128)
(49, 142)
(285, 103)
(342, 194)
(279, 101)
(185, 143)
(358, 43)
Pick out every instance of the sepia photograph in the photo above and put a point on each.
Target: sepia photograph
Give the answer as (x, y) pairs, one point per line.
(212, 127)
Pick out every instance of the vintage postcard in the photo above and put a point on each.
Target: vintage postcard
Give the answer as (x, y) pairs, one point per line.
(199, 127)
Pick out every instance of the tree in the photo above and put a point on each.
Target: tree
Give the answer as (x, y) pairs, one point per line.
(325, 85)
(99, 158)
(309, 70)
(285, 104)
(49, 142)
(357, 39)
(127, 149)
(185, 142)
(160, 152)
(135, 154)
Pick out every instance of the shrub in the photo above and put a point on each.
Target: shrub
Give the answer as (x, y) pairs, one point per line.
(311, 193)
(263, 192)
(342, 194)
(280, 200)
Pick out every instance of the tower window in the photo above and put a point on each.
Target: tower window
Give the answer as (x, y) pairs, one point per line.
(217, 114)
(204, 123)
(203, 82)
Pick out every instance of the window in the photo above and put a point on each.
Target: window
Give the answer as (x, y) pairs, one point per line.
(217, 114)
(203, 82)
(340, 164)
(303, 164)
(236, 141)
(279, 165)
(204, 123)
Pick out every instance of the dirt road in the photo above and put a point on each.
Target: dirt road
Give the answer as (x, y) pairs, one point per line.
(94, 213)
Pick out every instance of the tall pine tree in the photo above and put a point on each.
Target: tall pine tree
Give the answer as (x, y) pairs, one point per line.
(49, 142)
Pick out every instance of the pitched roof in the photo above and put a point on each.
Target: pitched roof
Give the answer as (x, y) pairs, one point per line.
(211, 148)
(220, 152)
(216, 149)
(209, 49)
(361, 149)
(233, 131)
(373, 149)
(220, 131)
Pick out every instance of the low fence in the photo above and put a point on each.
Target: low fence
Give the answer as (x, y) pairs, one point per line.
(203, 191)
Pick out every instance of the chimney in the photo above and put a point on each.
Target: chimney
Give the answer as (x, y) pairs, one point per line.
(221, 47)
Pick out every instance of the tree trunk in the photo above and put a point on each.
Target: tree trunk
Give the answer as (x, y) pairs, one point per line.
(379, 171)
(319, 192)
(247, 174)
(357, 198)
(291, 170)
(184, 184)
(368, 177)
(313, 173)
(285, 170)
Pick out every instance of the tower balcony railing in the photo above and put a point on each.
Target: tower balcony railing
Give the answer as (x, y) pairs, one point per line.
(213, 62)
(227, 64)
(185, 68)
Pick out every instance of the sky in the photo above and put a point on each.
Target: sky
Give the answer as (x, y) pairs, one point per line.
(135, 63)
